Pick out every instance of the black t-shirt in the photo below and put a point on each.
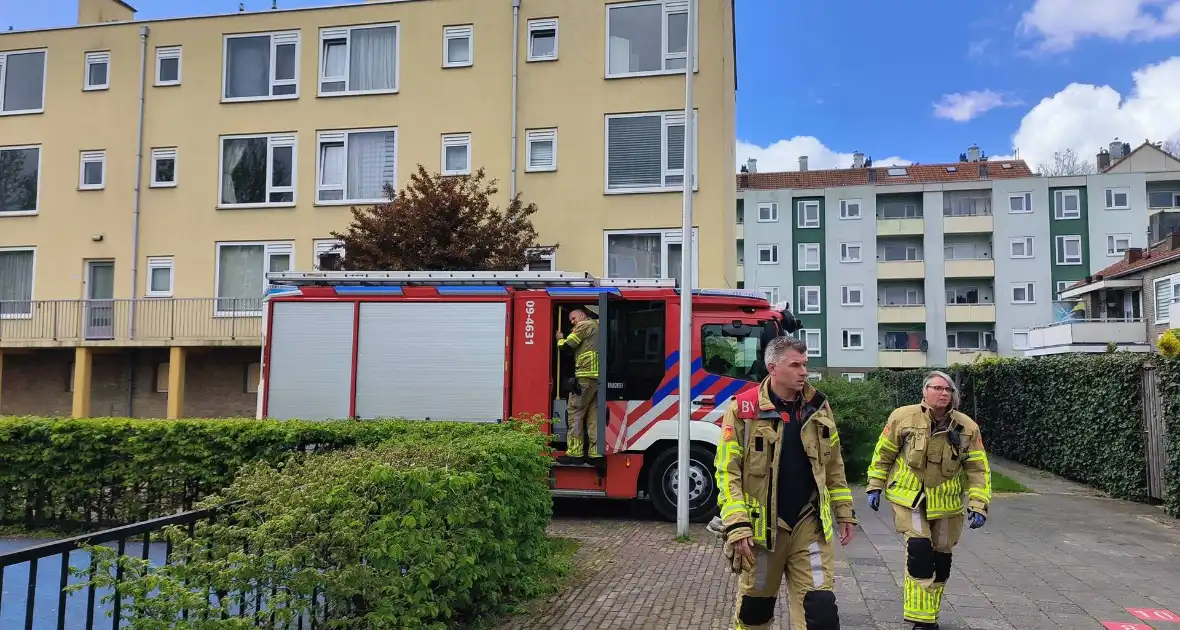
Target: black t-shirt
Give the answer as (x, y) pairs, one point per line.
(796, 483)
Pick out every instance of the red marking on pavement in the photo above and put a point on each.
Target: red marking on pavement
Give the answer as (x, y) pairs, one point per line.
(1155, 614)
(1122, 625)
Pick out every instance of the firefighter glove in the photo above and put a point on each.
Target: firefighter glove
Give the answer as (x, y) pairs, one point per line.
(736, 560)
(875, 499)
(975, 519)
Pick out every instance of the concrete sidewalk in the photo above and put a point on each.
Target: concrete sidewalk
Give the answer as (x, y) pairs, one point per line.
(1063, 557)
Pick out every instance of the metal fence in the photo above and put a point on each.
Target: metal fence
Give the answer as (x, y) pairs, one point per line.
(139, 319)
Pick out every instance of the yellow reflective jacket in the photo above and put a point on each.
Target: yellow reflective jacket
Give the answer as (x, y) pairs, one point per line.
(583, 342)
(911, 462)
(747, 476)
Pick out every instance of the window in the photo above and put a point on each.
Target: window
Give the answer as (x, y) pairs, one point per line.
(1163, 199)
(456, 154)
(16, 282)
(768, 254)
(20, 180)
(458, 46)
(1167, 290)
(354, 166)
(1069, 250)
(899, 296)
(852, 339)
(899, 252)
(168, 66)
(771, 294)
(1022, 293)
(1116, 244)
(809, 257)
(98, 71)
(645, 152)
(966, 251)
(649, 254)
(257, 171)
(241, 274)
(541, 259)
(22, 90)
(541, 150)
(850, 209)
(809, 300)
(1062, 285)
(1020, 203)
(261, 66)
(329, 252)
(813, 339)
(647, 38)
(542, 40)
(899, 211)
(767, 212)
(853, 377)
(962, 295)
(1066, 205)
(92, 170)
(163, 168)
(850, 252)
(968, 340)
(160, 277)
(359, 60)
(1118, 198)
(1021, 247)
(727, 355)
(1020, 340)
(808, 214)
(852, 295)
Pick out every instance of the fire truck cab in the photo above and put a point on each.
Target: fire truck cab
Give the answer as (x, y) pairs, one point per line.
(482, 347)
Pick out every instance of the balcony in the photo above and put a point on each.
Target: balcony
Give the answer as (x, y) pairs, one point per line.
(1088, 336)
(970, 268)
(901, 358)
(158, 322)
(967, 356)
(970, 313)
(972, 224)
(901, 270)
(901, 314)
(900, 227)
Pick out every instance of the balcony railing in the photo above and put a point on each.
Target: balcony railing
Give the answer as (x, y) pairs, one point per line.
(1088, 332)
(148, 321)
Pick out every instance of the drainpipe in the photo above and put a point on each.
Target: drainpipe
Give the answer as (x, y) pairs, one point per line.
(515, 91)
(143, 51)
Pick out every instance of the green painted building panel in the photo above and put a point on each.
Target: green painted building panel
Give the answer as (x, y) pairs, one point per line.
(801, 235)
(1069, 227)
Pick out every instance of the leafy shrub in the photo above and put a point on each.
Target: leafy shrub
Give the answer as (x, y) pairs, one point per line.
(861, 410)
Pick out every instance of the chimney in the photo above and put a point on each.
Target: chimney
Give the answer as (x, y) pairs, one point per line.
(983, 170)
(973, 153)
(1174, 240)
(858, 160)
(1103, 160)
(802, 162)
(872, 175)
(1116, 150)
(752, 165)
(1134, 254)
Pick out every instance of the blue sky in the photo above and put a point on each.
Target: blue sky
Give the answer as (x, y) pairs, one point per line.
(912, 81)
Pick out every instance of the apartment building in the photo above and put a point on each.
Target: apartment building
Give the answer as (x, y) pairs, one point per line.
(151, 172)
(937, 264)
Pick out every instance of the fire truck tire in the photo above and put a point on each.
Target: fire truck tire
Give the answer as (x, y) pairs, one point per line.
(662, 484)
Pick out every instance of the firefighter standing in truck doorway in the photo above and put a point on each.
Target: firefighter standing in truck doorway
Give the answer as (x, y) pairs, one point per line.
(582, 410)
(781, 477)
(919, 463)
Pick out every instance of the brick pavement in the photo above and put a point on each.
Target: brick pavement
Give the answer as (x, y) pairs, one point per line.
(1063, 557)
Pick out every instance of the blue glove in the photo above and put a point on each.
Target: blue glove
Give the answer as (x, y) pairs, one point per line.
(976, 519)
(874, 499)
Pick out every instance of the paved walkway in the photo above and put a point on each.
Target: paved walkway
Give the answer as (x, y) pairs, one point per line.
(1063, 557)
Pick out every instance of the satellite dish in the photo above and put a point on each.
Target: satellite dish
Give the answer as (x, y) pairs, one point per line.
(992, 346)
(924, 346)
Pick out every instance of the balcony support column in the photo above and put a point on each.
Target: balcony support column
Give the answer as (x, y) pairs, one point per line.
(177, 356)
(83, 364)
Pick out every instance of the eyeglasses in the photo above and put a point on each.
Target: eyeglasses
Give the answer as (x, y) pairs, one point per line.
(939, 389)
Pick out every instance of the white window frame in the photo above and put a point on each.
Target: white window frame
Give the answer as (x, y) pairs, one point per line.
(1027, 241)
(1112, 242)
(270, 248)
(273, 140)
(771, 294)
(854, 377)
(345, 33)
(1164, 308)
(668, 119)
(1016, 343)
(771, 215)
(169, 153)
(668, 237)
(816, 349)
(92, 157)
(540, 135)
(845, 248)
(802, 222)
(544, 24)
(44, 79)
(37, 203)
(160, 262)
(846, 205)
(772, 249)
(93, 59)
(804, 292)
(802, 250)
(846, 295)
(341, 135)
(547, 253)
(321, 246)
(1059, 212)
(169, 52)
(1060, 255)
(32, 285)
(1030, 293)
(1025, 202)
(464, 31)
(277, 38)
(1063, 285)
(1110, 195)
(456, 140)
(846, 338)
(670, 7)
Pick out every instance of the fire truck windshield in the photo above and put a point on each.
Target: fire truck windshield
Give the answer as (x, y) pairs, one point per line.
(733, 352)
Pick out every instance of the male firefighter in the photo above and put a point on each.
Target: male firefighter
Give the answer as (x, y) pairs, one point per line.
(917, 463)
(781, 477)
(582, 410)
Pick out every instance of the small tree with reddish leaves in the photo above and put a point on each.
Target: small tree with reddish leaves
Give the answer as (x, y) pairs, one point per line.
(442, 223)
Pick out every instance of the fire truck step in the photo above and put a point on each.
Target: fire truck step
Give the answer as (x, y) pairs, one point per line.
(578, 494)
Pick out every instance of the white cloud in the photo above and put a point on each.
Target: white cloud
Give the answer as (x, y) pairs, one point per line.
(1087, 117)
(784, 155)
(1059, 24)
(963, 106)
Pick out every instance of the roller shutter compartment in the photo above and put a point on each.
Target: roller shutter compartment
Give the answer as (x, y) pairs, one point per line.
(310, 360)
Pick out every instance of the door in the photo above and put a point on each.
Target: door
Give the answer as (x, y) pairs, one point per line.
(632, 360)
(100, 305)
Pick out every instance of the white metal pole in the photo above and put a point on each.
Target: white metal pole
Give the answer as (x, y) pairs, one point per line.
(687, 279)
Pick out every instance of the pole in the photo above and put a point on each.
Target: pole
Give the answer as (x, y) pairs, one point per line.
(687, 284)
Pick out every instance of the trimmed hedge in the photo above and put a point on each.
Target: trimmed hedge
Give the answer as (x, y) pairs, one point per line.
(1169, 386)
(861, 410)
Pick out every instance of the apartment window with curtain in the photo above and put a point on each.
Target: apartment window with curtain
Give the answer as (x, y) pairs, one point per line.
(261, 66)
(645, 152)
(23, 89)
(258, 171)
(354, 166)
(16, 282)
(241, 274)
(359, 59)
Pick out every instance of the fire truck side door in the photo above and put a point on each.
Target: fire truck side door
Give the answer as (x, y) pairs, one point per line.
(610, 324)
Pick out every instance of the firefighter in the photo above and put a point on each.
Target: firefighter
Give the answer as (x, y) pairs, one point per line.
(781, 477)
(582, 410)
(918, 462)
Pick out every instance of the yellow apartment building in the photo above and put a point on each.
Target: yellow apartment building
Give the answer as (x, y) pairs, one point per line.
(152, 171)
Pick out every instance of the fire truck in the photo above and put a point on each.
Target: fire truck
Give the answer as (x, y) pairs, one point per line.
(481, 347)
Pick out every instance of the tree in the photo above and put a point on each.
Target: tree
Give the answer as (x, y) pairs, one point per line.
(1172, 147)
(442, 223)
(1067, 163)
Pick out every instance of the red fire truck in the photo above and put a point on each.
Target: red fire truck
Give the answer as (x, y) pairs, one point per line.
(480, 347)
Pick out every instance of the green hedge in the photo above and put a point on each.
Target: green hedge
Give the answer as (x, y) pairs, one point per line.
(1169, 386)
(861, 410)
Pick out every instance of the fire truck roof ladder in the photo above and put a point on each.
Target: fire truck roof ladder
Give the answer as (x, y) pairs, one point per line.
(426, 278)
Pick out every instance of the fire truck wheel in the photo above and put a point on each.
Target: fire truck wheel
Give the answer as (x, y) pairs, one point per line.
(663, 484)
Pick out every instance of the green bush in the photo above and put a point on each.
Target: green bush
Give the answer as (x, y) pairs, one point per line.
(1169, 389)
(861, 410)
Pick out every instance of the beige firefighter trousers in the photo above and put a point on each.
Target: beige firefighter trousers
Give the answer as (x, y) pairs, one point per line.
(582, 416)
(928, 559)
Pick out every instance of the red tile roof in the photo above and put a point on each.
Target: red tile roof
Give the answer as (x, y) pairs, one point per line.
(914, 174)
(1151, 258)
